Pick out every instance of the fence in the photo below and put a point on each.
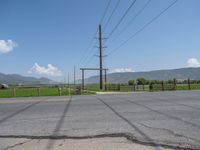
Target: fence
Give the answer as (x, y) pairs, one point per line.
(164, 86)
(64, 90)
(153, 87)
(39, 91)
(158, 86)
(127, 88)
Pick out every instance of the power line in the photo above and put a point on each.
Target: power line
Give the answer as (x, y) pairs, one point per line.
(112, 13)
(89, 60)
(85, 52)
(122, 18)
(131, 21)
(90, 55)
(104, 14)
(141, 29)
(90, 51)
(87, 49)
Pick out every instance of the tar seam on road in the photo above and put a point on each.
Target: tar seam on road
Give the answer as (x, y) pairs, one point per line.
(170, 101)
(130, 124)
(19, 111)
(193, 107)
(151, 142)
(18, 144)
(170, 131)
(128, 136)
(51, 143)
(161, 113)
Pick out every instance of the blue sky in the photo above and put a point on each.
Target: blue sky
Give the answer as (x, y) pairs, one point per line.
(48, 37)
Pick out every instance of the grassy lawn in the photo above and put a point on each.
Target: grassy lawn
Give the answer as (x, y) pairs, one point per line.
(185, 87)
(6, 93)
(182, 87)
(128, 88)
(43, 91)
(117, 87)
(92, 87)
(89, 89)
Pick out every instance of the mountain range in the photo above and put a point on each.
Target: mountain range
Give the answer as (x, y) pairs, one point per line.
(15, 79)
(182, 74)
(124, 77)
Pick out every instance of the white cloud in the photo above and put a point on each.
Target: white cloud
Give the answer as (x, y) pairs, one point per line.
(7, 46)
(50, 70)
(117, 70)
(193, 62)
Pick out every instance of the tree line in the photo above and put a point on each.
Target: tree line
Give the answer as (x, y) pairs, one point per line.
(143, 81)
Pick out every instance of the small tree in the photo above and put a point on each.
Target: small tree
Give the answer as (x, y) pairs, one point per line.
(150, 86)
(131, 82)
(170, 81)
(155, 82)
(141, 81)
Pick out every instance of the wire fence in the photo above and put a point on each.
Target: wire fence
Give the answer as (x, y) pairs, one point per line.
(40, 91)
(151, 87)
(67, 90)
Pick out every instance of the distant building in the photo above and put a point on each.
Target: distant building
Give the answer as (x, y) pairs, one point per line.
(4, 86)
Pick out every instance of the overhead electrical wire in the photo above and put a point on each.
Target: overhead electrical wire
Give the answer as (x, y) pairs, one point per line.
(85, 52)
(141, 29)
(121, 19)
(106, 24)
(111, 15)
(104, 14)
(131, 21)
(88, 49)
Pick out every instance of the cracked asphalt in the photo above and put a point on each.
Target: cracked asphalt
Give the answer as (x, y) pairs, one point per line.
(161, 120)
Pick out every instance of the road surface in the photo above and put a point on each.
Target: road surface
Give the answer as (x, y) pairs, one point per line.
(161, 120)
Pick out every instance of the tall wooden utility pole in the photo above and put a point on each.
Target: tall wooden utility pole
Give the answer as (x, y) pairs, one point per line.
(105, 79)
(69, 92)
(100, 57)
(82, 80)
(74, 76)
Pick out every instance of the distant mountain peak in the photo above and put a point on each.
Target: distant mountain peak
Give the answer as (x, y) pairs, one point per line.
(15, 79)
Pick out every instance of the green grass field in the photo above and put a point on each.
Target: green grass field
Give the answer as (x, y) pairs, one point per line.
(117, 87)
(185, 87)
(170, 87)
(33, 92)
(89, 89)
(156, 87)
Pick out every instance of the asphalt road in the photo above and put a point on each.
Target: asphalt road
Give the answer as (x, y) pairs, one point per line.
(163, 119)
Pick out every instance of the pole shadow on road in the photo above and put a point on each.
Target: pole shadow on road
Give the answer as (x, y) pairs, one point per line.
(161, 113)
(20, 111)
(129, 123)
(51, 143)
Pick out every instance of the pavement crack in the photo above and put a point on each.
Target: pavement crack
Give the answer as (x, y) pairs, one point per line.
(173, 102)
(161, 113)
(51, 143)
(18, 144)
(20, 111)
(171, 132)
(128, 136)
(144, 135)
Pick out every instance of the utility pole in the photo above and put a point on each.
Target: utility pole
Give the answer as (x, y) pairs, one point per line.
(105, 80)
(82, 80)
(74, 77)
(69, 86)
(100, 57)
(74, 80)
